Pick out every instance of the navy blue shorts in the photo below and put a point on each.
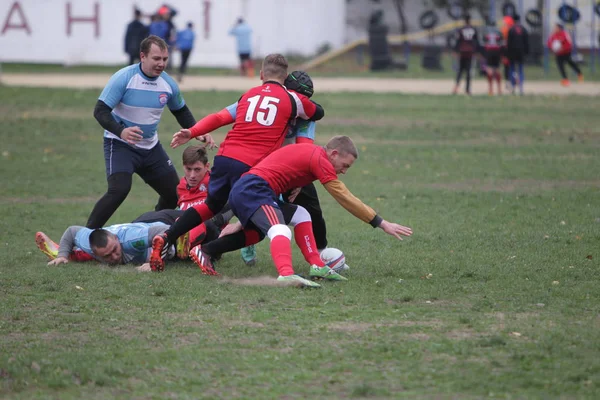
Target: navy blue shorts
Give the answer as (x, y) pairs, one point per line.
(148, 164)
(223, 175)
(248, 195)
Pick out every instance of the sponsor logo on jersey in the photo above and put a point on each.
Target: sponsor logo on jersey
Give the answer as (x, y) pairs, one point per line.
(267, 89)
(202, 187)
(162, 99)
(149, 83)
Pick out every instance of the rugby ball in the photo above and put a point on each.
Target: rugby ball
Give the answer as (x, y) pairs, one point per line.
(556, 46)
(334, 259)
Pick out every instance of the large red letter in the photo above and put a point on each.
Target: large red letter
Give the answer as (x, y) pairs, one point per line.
(16, 7)
(95, 19)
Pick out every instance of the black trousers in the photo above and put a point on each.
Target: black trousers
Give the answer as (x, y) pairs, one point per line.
(185, 55)
(309, 199)
(464, 65)
(566, 58)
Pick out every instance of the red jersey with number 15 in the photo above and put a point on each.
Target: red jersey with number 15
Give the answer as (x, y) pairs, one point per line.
(262, 117)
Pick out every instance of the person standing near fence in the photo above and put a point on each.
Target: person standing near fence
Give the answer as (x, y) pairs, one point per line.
(517, 48)
(185, 44)
(243, 35)
(136, 32)
(467, 44)
(561, 45)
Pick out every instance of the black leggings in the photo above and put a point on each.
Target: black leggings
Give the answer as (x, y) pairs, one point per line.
(119, 185)
(561, 60)
(464, 65)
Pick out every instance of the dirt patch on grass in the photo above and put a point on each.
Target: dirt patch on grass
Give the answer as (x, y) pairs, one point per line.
(510, 186)
(352, 327)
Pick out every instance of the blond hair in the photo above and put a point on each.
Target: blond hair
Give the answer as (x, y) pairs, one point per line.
(343, 144)
(275, 66)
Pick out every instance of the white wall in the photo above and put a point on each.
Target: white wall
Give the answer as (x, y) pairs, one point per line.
(36, 30)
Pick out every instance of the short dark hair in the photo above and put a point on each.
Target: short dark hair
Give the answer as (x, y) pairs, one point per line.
(467, 18)
(190, 24)
(99, 238)
(516, 17)
(193, 154)
(149, 41)
(137, 13)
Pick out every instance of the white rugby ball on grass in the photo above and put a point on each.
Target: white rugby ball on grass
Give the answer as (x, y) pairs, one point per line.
(334, 259)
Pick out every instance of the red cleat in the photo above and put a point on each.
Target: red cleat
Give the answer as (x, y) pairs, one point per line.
(203, 262)
(159, 250)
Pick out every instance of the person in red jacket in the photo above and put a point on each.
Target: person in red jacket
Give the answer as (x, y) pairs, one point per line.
(561, 45)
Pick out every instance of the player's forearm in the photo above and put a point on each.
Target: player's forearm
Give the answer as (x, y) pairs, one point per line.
(67, 241)
(184, 117)
(103, 115)
(211, 122)
(352, 204)
(319, 112)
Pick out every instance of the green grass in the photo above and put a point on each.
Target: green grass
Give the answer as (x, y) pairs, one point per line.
(502, 194)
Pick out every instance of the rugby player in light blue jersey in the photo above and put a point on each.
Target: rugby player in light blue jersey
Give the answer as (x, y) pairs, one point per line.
(129, 109)
(115, 244)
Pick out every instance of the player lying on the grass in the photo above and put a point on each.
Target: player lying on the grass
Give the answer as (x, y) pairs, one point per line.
(253, 200)
(115, 244)
(263, 114)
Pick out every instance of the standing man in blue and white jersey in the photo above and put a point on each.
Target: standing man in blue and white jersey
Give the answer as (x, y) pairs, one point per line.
(243, 35)
(129, 109)
(115, 244)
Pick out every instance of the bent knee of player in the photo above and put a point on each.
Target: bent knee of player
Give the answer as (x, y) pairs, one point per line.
(300, 215)
(279, 230)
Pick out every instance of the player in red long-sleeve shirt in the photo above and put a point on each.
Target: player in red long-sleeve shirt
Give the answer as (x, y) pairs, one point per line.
(263, 114)
(561, 45)
(254, 200)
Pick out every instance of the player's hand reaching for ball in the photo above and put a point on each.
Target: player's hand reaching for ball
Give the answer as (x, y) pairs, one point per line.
(395, 230)
(132, 135)
(181, 137)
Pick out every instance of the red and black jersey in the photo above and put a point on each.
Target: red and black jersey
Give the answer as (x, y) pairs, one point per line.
(295, 166)
(192, 196)
(262, 117)
(492, 40)
(467, 41)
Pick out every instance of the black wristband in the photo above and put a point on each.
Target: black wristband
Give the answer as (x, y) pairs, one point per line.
(376, 221)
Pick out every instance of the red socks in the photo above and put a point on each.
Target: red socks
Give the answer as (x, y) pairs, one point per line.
(281, 251)
(305, 239)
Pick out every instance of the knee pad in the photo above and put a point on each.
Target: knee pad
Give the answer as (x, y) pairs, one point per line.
(279, 230)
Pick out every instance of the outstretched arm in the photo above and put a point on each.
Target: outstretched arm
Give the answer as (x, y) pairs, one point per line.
(342, 195)
(67, 242)
(202, 128)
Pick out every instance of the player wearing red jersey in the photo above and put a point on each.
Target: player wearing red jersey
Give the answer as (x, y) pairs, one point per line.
(262, 117)
(253, 200)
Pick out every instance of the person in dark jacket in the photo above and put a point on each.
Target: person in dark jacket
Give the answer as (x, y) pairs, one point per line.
(136, 32)
(467, 44)
(517, 48)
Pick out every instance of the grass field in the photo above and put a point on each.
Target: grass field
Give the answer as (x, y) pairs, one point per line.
(495, 295)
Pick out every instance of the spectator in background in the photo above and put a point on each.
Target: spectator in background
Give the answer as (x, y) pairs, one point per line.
(517, 48)
(243, 35)
(507, 23)
(467, 45)
(492, 45)
(136, 32)
(185, 43)
(159, 27)
(561, 45)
